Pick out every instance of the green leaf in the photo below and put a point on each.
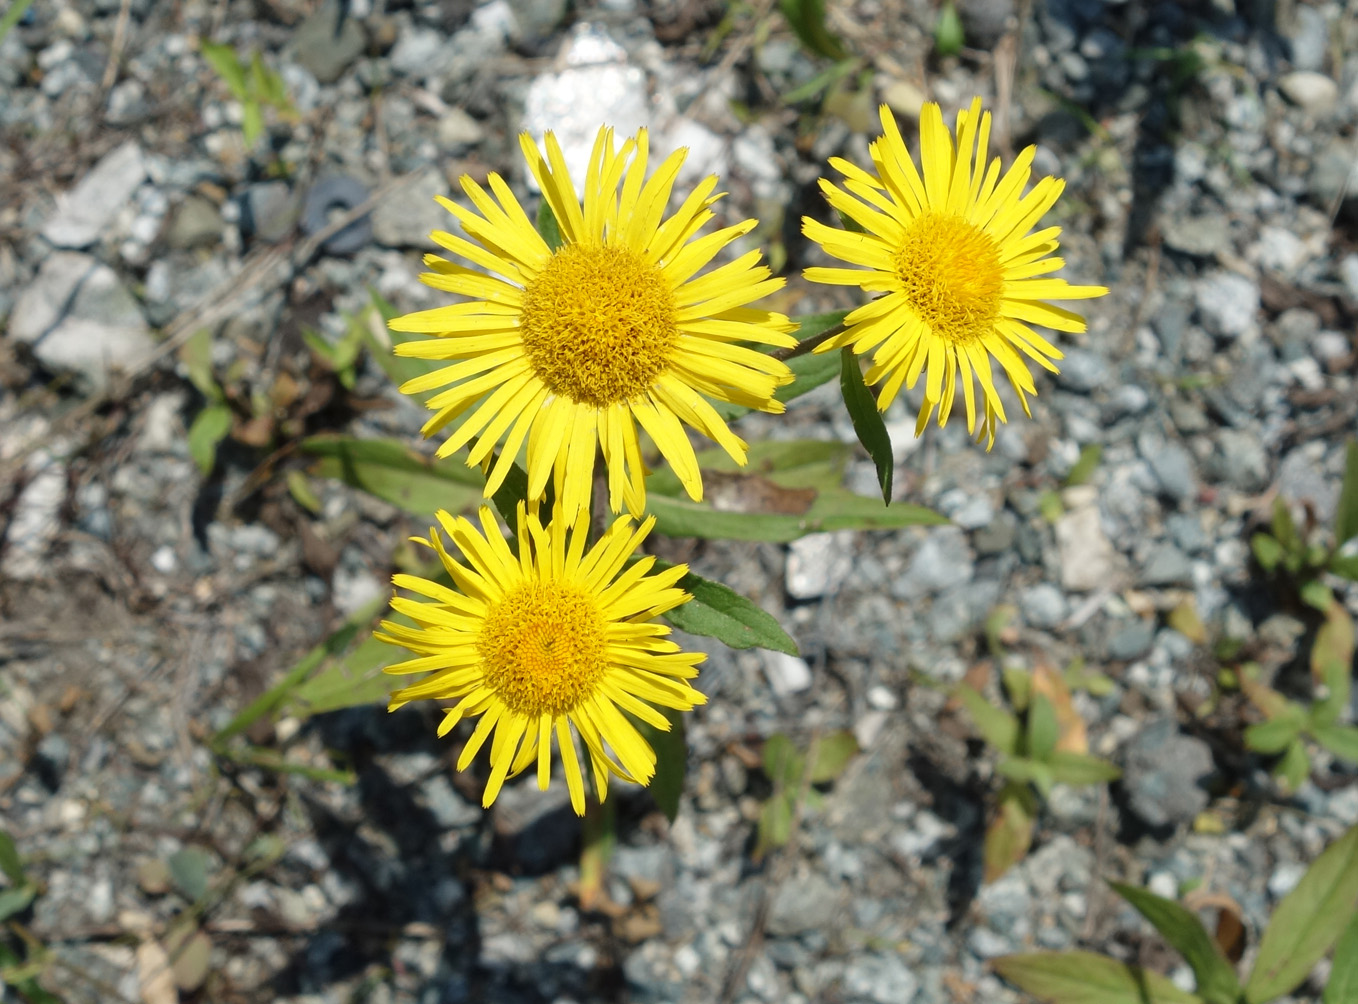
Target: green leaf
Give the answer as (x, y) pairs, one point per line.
(1332, 665)
(1180, 927)
(809, 370)
(302, 493)
(1026, 771)
(1346, 514)
(196, 355)
(833, 753)
(224, 60)
(1317, 595)
(1272, 736)
(1341, 740)
(1342, 987)
(867, 420)
(1043, 728)
(251, 123)
(1284, 528)
(671, 761)
(209, 428)
(269, 702)
(717, 611)
(14, 901)
(782, 763)
(833, 508)
(1307, 922)
(349, 681)
(548, 226)
(1010, 833)
(775, 825)
(1086, 978)
(1267, 551)
(997, 726)
(1083, 468)
(807, 18)
(1081, 768)
(1345, 565)
(392, 471)
(948, 35)
(189, 871)
(1294, 766)
(11, 865)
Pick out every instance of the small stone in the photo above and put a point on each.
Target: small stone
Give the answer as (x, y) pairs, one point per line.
(1200, 236)
(197, 223)
(79, 318)
(1043, 605)
(1314, 93)
(788, 674)
(943, 560)
(1164, 773)
(326, 48)
(1348, 272)
(457, 131)
(998, 535)
(1131, 642)
(1334, 176)
(818, 564)
(86, 210)
(1228, 304)
(879, 977)
(1239, 461)
(417, 53)
(806, 903)
(1187, 531)
(1173, 468)
(406, 216)
(1083, 371)
(1088, 560)
(1310, 37)
(1285, 878)
(268, 211)
(1166, 565)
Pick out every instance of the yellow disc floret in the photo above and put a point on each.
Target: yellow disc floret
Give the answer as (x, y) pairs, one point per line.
(951, 276)
(543, 648)
(598, 324)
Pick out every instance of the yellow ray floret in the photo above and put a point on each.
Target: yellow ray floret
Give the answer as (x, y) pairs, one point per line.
(556, 641)
(565, 352)
(959, 272)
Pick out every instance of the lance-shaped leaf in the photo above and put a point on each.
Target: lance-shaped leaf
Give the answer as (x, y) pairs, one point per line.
(671, 761)
(1180, 927)
(397, 474)
(867, 420)
(1342, 986)
(717, 611)
(1307, 922)
(1086, 978)
(807, 18)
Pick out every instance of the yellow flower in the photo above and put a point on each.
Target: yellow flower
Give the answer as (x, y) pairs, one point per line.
(552, 639)
(571, 349)
(957, 268)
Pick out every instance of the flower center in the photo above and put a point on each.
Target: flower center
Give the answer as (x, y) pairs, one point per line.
(950, 272)
(598, 324)
(542, 647)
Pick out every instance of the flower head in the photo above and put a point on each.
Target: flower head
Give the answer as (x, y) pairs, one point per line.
(570, 349)
(553, 639)
(956, 266)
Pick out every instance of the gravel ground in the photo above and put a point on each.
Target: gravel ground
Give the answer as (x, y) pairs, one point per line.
(1209, 150)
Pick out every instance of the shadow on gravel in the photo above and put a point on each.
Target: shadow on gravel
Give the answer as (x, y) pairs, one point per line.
(962, 805)
(404, 865)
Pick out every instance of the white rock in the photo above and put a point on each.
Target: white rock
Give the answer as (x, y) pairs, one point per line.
(406, 217)
(1348, 271)
(456, 128)
(596, 87)
(818, 564)
(1088, 561)
(1313, 92)
(86, 210)
(788, 674)
(1228, 304)
(35, 520)
(904, 98)
(79, 318)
